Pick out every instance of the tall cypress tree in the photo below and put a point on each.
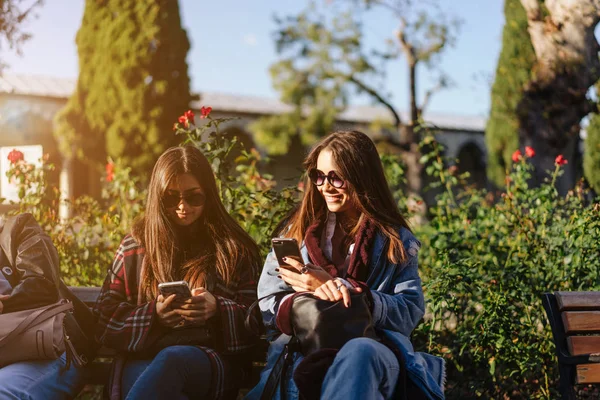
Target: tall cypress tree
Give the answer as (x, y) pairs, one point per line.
(591, 155)
(133, 82)
(512, 73)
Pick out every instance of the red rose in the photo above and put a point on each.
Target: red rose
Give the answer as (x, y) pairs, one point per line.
(517, 156)
(205, 111)
(189, 114)
(175, 126)
(110, 172)
(529, 152)
(15, 156)
(184, 121)
(560, 160)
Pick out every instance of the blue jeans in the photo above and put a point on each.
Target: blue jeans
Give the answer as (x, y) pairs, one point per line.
(362, 369)
(177, 372)
(41, 380)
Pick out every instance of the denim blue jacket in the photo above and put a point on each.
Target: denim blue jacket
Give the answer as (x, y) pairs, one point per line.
(398, 306)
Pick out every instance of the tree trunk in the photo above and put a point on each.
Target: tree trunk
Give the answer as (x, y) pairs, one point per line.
(407, 131)
(414, 110)
(567, 65)
(409, 139)
(414, 170)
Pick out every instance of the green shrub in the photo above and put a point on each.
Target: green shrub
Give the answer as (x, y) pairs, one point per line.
(486, 261)
(591, 155)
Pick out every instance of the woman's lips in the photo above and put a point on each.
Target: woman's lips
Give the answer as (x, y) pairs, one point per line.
(333, 199)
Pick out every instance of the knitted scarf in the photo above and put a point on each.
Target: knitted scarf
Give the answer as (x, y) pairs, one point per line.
(358, 269)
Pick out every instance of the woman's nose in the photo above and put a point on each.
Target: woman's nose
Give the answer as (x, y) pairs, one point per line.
(327, 187)
(182, 204)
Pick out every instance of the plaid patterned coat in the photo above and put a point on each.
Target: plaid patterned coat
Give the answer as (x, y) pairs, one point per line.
(129, 327)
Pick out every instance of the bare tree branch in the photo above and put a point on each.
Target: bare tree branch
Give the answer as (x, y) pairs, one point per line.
(434, 48)
(441, 84)
(409, 50)
(396, 9)
(11, 20)
(372, 92)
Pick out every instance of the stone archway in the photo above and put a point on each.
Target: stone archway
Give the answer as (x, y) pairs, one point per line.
(471, 158)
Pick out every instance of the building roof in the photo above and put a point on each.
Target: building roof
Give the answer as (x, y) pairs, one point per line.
(61, 88)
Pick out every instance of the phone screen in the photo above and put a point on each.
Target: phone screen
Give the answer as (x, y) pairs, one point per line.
(180, 288)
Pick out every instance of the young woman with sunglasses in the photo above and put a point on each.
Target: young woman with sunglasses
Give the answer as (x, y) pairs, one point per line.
(169, 346)
(352, 239)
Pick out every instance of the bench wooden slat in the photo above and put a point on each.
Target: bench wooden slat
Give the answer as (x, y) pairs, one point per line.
(588, 373)
(582, 345)
(581, 321)
(86, 294)
(578, 300)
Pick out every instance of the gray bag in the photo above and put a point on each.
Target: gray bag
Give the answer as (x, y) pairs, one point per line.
(36, 334)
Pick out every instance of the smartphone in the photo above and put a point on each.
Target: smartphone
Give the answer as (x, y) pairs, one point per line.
(180, 288)
(286, 247)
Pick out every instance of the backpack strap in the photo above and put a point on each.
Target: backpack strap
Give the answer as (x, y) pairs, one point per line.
(278, 376)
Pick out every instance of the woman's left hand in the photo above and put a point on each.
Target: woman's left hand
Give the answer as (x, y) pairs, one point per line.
(334, 290)
(198, 308)
(302, 277)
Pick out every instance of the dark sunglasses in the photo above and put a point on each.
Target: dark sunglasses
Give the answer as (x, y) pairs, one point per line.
(171, 200)
(318, 178)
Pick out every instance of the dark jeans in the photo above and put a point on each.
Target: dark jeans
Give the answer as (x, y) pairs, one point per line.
(177, 372)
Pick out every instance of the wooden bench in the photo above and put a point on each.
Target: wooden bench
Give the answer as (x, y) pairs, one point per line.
(575, 321)
(101, 365)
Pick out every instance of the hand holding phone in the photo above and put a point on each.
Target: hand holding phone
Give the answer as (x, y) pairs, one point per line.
(300, 276)
(165, 312)
(197, 309)
(286, 247)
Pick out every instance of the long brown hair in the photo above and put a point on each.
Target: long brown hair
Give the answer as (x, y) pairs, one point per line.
(228, 247)
(359, 165)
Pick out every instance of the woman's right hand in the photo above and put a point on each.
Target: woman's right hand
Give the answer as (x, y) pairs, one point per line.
(166, 315)
(334, 290)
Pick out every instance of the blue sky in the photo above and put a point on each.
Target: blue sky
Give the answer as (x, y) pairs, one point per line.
(232, 48)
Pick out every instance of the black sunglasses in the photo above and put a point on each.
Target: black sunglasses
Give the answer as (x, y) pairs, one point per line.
(171, 200)
(318, 178)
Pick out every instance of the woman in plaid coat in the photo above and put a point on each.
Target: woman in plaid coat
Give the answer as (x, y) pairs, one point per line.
(169, 346)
